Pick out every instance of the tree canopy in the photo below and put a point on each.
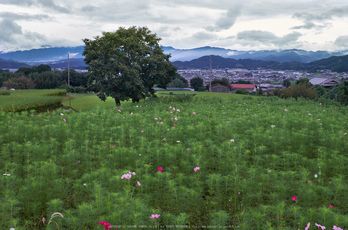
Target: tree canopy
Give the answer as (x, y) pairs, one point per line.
(127, 63)
(196, 83)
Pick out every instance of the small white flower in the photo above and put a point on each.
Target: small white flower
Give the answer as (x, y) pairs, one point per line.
(62, 114)
(139, 154)
(84, 184)
(315, 175)
(269, 171)
(8, 175)
(177, 141)
(272, 126)
(12, 228)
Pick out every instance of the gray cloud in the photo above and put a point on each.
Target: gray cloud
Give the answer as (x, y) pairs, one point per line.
(89, 9)
(203, 36)
(267, 38)
(23, 16)
(342, 41)
(226, 21)
(49, 4)
(322, 17)
(8, 30)
(12, 36)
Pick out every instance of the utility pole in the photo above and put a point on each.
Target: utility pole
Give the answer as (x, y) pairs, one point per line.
(211, 74)
(68, 69)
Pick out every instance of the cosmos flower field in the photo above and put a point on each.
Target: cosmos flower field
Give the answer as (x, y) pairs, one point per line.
(177, 162)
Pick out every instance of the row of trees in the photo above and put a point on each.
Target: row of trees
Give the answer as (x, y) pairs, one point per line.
(26, 78)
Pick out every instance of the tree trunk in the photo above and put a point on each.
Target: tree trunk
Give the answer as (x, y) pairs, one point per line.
(118, 103)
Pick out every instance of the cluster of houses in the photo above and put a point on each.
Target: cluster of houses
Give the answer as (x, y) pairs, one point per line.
(323, 81)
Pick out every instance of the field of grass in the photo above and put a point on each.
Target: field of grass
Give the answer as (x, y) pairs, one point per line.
(84, 102)
(247, 163)
(26, 100)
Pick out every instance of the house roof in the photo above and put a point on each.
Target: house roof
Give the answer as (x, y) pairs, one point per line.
(243, 86)
(324, 81)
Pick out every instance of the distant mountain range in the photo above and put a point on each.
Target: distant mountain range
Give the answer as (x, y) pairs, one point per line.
(57, 57)
(336, 63)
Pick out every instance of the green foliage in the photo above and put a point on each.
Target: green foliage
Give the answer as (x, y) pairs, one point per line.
(303, 81)
(4, 92)
(223, 81)
(27, 100)
(73, 164)
(299, 90)
(178, 81)
(127, 64)
(286, 83)
(339, 93)
(320, 90)
(242, 91)
(19, 83)
(242, 82)
(196, 83)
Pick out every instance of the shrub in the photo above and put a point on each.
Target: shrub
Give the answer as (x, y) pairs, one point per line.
(19, 83)
(299, 90)
(242, 91)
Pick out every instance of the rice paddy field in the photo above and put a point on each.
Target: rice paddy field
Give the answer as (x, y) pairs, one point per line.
(179, 162)
(26, 100)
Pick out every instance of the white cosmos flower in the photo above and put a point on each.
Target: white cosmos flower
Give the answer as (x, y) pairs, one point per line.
(315, 175)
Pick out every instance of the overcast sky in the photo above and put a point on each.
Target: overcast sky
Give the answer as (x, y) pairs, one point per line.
(233, 24)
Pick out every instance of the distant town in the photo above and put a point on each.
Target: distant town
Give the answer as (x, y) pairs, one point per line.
(257, 76)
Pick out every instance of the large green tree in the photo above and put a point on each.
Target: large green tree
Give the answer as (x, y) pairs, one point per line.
(127, 64)
(196, 83)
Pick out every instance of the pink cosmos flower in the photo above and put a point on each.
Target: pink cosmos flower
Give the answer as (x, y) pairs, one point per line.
(171, 118)
(309, 114)
(188, 150)
(232, 140)
(132, 173)
(153, 216)
(331, 206)
(131, 113)
(194, 113)
(173, 108)
(142, 131)
(178, 110)
(174, 125)
(156, 118)
(78, 161)
(171, 112)
(294, 198)
(43, 219)
(161, 122)
(102, 222)
(285, 110)
(170, 107)
(309, 224)
(319, 226)
(138, 183)
(164, 139)
(336, 228)
(160, 169)
(119, 111)
(114, 146)
(318, 119)
(127, 176)
(345, 134)
(64, 120)
(197, 168)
